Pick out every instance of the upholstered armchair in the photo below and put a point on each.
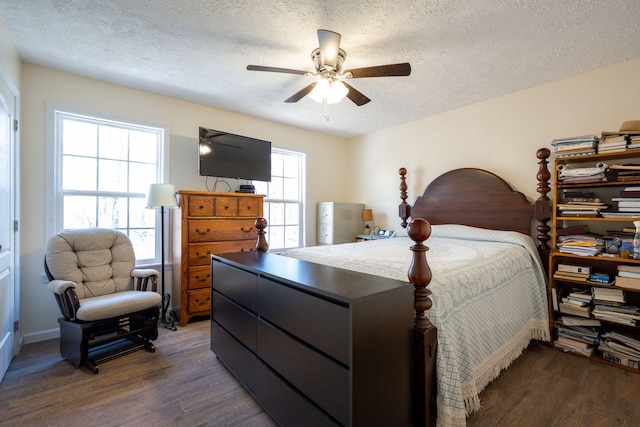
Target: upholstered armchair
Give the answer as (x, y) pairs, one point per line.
(109, 308)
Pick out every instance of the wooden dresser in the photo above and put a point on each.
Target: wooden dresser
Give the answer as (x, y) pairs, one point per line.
(208, 223)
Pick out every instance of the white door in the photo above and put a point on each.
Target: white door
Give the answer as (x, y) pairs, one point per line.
(7, 236)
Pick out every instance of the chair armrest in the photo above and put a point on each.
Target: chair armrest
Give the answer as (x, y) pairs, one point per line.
(144, 276)
(59, 286)
(65, 293)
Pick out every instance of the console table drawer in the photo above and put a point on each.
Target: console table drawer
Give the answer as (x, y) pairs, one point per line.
(238, 285)
(291, 310)
(315, 375)
(216, 230)
(239, 322)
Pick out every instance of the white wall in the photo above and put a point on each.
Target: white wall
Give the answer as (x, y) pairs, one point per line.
(42, 85)
(500, 135)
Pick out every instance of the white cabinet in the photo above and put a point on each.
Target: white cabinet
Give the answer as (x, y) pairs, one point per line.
(339, 222)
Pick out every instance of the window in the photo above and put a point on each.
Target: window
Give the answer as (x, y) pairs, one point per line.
(284, 204)
(102, 172)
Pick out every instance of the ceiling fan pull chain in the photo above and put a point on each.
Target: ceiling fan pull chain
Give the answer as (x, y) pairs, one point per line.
(326, 114)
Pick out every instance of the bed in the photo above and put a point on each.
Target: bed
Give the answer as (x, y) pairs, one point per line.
(482, 291)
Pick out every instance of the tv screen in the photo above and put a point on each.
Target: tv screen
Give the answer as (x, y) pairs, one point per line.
(226, 155)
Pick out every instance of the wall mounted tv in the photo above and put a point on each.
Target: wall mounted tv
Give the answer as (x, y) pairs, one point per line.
(226, 155)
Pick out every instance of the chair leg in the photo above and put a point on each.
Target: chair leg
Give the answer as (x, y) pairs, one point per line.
(73, 343)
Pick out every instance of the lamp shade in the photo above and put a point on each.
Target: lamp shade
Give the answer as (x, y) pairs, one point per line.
(367, 215)
(161, 195)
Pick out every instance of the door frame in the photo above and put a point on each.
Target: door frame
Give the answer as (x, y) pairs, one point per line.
(18, 339)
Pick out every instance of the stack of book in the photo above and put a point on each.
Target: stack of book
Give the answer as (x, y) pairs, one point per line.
(621, 348)
(588, 244)
(580, 203)
(626, 172)
(575, 145)
(577, 336)
(628, 276)
(634, 142)
(589, 175)
(610, 305)
(578, 273)
(612, 144)
(577, 303)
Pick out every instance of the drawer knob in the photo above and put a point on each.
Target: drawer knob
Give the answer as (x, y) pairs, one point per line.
(248, 208)
(202, 279)
(226, 206)
(202, 256)
(203, 302)
(202, 233)
(200, 207)
(246, 231)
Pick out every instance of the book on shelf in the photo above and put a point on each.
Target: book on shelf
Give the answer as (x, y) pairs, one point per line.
(571, 268)
(601, 278)
(576, 229)
(609, 294)
(629, 268)
(574, 139)
(581, 277)
(574, 342)
(630, 274)
(572, 321)
(574, 309)
(573, 146)
(628, 282)
(570, 348)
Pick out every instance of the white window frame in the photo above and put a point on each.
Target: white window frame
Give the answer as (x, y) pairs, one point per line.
(301, 201)
(54, 112)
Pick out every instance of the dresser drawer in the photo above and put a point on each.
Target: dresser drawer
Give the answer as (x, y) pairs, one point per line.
(200, 206)
(199, 277)
(250, 207)
(216, 230)
(291, 310)
(200, 253)
(199, 301)
(226, 206)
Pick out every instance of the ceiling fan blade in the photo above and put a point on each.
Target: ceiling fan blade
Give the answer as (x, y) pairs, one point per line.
(329, 43)
(402, 69)
(275, 69)
(301, 93)
(356, 96)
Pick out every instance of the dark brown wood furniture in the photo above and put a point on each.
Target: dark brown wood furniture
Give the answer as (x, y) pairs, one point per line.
(272, 315)
(208, 223)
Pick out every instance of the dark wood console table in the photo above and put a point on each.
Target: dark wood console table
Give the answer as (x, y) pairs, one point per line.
(315, 345)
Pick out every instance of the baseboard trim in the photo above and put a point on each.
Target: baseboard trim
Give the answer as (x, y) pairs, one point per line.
(41, 336)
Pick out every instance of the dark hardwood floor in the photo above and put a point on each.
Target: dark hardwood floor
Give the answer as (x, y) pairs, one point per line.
(183, 384)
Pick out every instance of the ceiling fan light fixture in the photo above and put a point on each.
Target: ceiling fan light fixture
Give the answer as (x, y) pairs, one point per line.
(333, 91)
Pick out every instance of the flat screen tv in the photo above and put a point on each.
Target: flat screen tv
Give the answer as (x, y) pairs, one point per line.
(226, 155)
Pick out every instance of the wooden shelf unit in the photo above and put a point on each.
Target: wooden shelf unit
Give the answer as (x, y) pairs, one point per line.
(599, 264)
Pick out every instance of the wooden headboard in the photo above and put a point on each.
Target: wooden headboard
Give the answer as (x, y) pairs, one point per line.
(480, 198)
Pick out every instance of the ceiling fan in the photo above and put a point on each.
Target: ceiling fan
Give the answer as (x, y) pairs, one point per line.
(331, 86)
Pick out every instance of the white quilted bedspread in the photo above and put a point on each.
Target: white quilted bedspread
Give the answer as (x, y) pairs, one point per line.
(489, 301)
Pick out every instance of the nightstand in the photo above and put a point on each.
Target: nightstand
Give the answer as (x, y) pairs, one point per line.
(364, 237)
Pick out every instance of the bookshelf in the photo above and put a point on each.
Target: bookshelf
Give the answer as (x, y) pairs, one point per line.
(584, 325)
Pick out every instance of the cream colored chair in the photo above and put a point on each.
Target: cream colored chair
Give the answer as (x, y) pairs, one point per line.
(104, 313)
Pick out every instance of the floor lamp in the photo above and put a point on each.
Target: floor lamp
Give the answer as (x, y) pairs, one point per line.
(163, 196)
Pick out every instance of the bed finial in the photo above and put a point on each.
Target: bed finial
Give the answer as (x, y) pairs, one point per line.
(404, 210)
(261, 244)
(543, 205)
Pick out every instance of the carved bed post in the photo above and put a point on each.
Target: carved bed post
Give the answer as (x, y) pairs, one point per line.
(404, 210)
(543, 205)
(261, 244)
(424, 332)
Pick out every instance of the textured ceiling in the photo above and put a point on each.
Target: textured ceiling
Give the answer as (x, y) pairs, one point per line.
(461, 51)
